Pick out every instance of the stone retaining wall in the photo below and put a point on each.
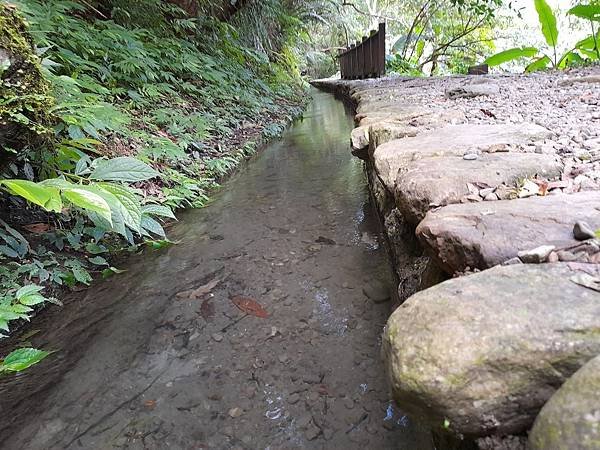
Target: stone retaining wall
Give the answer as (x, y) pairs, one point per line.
(493, 181)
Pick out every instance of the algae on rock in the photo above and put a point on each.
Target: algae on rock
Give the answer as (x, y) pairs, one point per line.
(24, 93)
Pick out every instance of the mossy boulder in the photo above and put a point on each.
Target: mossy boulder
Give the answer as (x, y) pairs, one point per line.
(571, 418)
(483, 353)
(24, 93)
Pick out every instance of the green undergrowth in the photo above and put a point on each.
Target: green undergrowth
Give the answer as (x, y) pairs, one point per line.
(150, 110)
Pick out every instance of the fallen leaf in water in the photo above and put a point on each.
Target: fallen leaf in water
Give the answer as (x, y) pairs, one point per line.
(150, 404)
(250, 306)
(588, 281)
(37, 227)
(207, 309)
(201, 291)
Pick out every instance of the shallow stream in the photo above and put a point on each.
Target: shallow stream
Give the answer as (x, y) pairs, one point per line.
(144, 363)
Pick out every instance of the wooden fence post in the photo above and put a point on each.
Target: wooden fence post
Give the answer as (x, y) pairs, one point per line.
(365, 58)
(381, 52)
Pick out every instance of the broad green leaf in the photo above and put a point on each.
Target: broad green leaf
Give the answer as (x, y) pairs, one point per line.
(88, 200)
(55, 203)
(158, 210)
(9, 252)
(31, 191)
(117, 209)
(538, 64)
(589, 53)
(21, 308)
(22, 359)
(130, 208)
(151, 225)
(588, 43)
(110, 271)
(547, 22)
(590, 12)
(569, 59)
(81, 275)
(123, 168)
(32, 299)
(28, 290)
(59, 183)
(98, 260)
(510, 55)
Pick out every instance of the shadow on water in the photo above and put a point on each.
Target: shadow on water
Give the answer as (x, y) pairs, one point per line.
(142, 364)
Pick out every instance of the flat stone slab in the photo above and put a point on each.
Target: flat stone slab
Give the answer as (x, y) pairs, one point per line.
(571, 418)
(482, 235)
(376, 129)
(451, 140)
(430, 182)
(484, 352)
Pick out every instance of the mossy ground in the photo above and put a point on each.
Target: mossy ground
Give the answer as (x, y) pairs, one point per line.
(24, 93)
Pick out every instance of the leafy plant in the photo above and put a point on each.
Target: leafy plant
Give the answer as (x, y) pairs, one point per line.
(21, 359)
(18, 306)
(15, 245)
(584, 49)
(109, 205)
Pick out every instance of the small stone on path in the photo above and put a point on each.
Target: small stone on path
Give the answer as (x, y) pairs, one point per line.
(582, 231)
(536, 255)
(234, 413)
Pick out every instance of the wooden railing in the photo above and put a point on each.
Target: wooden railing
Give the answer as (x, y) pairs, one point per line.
(366, 58)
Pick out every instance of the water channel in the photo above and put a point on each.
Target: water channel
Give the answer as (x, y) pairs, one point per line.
(143, 363)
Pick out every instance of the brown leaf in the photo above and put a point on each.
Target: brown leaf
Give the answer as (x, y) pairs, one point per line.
(543, 185)
(207, 309)
(250, 306)
(37, 227)
(201, 291)
(150, 404)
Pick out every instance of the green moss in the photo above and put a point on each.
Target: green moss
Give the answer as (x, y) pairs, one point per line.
(24, 93)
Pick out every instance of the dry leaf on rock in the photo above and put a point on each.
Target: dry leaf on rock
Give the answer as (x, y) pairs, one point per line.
(250, 306)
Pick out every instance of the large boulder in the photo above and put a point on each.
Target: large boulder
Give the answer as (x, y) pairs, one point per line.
(482, 235)
(431, 182)
(571, 418)
(484, 352)
(452, 140)
(24, 97)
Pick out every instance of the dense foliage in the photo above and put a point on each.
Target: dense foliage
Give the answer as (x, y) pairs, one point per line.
(146, 108)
